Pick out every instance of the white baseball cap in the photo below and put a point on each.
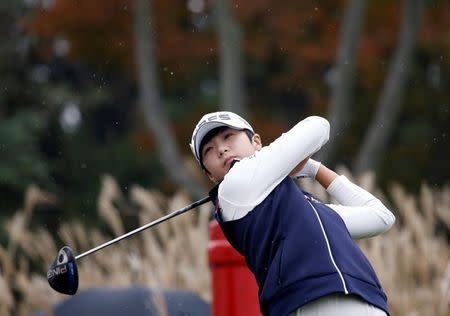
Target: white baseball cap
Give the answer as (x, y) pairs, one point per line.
(211, 121)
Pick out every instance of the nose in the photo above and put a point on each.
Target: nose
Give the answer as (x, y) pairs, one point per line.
(222, 150)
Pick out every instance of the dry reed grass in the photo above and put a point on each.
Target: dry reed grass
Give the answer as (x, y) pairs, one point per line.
(412, 259)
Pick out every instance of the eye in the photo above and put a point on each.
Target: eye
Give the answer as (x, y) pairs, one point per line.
(227, 135)
(206, 150)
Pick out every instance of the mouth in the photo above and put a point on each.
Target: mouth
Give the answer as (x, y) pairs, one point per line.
(228, 161)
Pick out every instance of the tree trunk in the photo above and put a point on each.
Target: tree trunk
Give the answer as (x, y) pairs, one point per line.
(150, 101)
(231, 73)
(339, 110)
(389, 104)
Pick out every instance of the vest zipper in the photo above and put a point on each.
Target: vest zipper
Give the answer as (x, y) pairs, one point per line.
(329, 249)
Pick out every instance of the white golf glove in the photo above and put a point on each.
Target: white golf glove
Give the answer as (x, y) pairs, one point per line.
(309, 170)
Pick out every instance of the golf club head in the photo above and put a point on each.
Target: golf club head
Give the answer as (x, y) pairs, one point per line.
(63, 274)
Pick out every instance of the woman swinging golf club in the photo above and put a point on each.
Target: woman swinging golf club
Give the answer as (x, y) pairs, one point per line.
(300, 250)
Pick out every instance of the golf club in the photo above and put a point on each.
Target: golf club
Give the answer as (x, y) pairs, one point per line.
(63, 274)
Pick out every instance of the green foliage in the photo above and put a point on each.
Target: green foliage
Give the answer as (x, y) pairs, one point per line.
(20, 160)
(84, 161)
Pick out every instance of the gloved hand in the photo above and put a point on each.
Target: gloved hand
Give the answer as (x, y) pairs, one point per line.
(309, 170)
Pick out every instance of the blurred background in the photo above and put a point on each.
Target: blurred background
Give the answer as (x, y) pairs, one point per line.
(98, 100)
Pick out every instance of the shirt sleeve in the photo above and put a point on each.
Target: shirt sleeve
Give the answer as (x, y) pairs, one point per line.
(252, 179)
(363, 214)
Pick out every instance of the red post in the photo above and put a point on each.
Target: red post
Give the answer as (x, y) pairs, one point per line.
(234, 287)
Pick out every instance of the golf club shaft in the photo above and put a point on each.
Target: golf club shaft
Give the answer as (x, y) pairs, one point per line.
(155, 222)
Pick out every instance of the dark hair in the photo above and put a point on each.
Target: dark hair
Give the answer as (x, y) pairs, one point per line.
(210, 135)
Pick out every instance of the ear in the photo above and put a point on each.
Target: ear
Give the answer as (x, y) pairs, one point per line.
(256, 141)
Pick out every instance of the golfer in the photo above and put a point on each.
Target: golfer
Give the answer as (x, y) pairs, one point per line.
(301, 251)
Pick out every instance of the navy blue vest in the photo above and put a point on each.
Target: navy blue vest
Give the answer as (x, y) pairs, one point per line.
(299, 250)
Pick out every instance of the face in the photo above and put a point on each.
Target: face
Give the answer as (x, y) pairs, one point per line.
(223, 148)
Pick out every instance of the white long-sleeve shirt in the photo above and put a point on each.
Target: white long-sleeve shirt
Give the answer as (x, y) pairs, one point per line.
(251, 180)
